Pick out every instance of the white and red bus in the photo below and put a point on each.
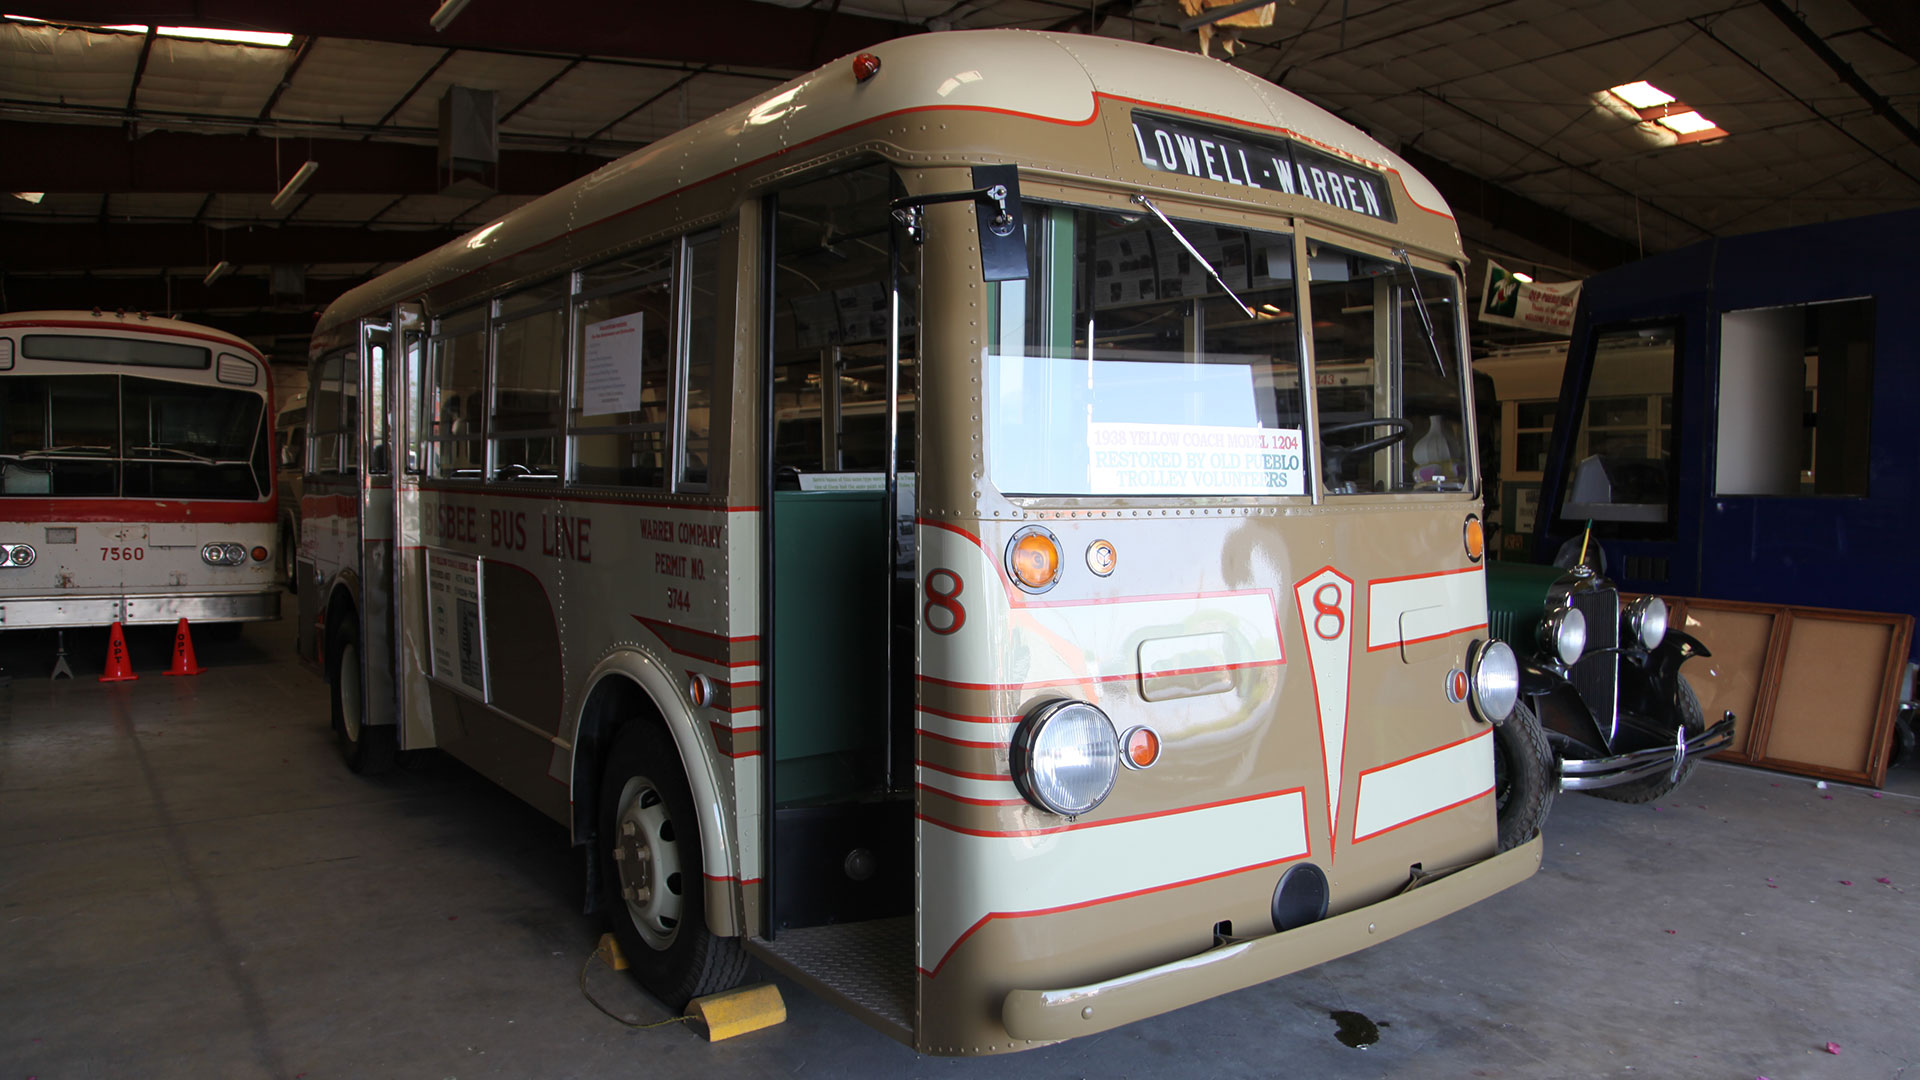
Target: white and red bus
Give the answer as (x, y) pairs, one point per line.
(136, 473)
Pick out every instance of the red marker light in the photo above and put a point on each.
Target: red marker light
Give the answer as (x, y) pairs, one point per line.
(865, 66)
(259, 554)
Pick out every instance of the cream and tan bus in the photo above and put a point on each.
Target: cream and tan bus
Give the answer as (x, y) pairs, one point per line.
(889, 524)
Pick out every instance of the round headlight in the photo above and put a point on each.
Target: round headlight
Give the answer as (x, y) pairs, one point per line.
(1647, 620)
(1564, 630)
(1496, 680)
(1065, 756)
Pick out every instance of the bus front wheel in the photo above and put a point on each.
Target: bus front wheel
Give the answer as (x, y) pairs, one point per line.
(652, 881)
(368, 749)
(1523, 780)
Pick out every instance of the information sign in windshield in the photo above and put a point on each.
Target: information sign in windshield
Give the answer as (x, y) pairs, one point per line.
(1269, 163)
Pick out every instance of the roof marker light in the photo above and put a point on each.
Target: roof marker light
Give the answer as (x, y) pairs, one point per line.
(865, 66)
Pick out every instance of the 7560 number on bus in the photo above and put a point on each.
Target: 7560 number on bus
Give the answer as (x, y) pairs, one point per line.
(121, 554)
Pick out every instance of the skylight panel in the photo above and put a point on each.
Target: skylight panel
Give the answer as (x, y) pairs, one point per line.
(1641, 95)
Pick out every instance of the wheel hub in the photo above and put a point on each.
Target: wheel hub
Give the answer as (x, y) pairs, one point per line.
(646, 857)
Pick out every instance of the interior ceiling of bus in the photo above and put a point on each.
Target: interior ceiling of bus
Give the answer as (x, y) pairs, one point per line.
(180, 145)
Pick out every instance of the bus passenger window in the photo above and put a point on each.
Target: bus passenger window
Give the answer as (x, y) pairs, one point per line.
(452, 397)
(529, 341)
(704, 344)
(323, 414)
(350, 412)
(1392, 414)
(623, 371)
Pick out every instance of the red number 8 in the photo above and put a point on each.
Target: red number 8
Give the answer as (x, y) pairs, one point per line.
(1324, 609)
(944, 599)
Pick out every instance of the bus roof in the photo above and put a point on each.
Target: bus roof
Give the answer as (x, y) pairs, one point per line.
(125, 323)
(1057, 78)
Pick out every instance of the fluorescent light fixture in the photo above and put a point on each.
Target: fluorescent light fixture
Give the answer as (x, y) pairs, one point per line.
(1640, 95)
(1686, 123)
(1518, 276)
(33, 197)
(294, 185)
(196, 33)
(220, 270)
(236, 37)
(448, 12)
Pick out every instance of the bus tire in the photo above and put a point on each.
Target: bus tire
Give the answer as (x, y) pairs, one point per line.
(368, 749)
(1523, 777)
(651, 874)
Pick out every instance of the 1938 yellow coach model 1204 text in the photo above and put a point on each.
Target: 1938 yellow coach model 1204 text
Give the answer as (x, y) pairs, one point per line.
(989, 528)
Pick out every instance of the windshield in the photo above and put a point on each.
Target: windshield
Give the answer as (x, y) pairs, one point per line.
(1122, 367)
(1392, 415)
(107, 435)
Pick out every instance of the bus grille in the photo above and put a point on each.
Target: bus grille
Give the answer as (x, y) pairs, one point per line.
(1597, 675)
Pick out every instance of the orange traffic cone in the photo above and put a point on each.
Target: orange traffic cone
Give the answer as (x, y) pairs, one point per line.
(119, 665)
(183, 661)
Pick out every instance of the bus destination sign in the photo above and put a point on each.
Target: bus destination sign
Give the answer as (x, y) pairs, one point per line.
(1273, 164)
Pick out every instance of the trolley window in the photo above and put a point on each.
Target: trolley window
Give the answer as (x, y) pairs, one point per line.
(622, 371)
(1121, 367)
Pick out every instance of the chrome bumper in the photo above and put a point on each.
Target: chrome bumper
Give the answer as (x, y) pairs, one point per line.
(1047, 1015)
(1585, 774)
(60, 612)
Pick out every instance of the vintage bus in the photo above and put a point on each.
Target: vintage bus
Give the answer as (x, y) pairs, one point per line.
(136, 473)
(888, 525)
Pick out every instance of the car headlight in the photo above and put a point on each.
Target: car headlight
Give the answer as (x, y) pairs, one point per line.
(16, 555)
(1495, 674)
(1065, 756)
(222, 554)
(1647, 621)
(1564, 630)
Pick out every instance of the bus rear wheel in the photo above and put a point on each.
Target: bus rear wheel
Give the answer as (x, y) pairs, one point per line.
(651, 872)
(368, 749)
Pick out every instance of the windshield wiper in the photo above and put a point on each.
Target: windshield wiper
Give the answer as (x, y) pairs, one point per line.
(1195, 252)
(176, 451)
(1426, 320)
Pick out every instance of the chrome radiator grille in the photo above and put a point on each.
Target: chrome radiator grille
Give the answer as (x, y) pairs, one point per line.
(1597, 675)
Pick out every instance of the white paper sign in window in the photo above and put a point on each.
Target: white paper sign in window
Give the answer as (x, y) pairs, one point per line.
(1189, 459)
(612, 377)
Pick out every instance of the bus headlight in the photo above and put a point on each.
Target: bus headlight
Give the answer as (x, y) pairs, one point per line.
(222, 554)
(1495, 675)
(1564, 630)
(1647, 621)
(16, 555)
(1065, 756)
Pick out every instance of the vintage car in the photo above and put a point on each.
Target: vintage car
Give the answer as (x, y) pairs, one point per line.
(1602, 697)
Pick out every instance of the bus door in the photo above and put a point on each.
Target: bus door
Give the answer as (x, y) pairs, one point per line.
(840, 707)
(375, 437)
(408, 587)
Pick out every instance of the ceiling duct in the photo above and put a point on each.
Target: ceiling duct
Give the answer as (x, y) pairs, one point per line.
(469, 142)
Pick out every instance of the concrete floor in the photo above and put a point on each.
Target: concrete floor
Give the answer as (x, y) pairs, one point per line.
(191, 885)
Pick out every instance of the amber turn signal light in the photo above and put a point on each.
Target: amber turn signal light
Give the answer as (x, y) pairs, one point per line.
(1474, 537)
(1033, 558)
(1142, 747)
(259, 554)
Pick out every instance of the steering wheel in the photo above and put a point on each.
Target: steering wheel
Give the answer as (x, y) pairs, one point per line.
(1337, 456)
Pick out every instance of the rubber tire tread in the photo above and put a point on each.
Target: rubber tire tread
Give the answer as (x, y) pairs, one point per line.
(1530, 776)
(378, 747)
(698, 962)
(1648, 788)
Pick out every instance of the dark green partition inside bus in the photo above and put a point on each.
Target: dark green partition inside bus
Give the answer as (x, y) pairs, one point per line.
(830, 635)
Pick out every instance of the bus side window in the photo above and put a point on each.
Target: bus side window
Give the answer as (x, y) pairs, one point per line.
(451, 417)
(350, 412)
(623, 371)
(704, 301)
(529, 344)
(323, 414)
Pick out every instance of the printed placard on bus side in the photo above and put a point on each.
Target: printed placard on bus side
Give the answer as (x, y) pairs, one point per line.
(1268, 163)
(455, 641)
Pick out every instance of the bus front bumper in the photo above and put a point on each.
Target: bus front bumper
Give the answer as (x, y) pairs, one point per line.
(60, 612)
(1050, 1015)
